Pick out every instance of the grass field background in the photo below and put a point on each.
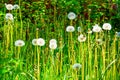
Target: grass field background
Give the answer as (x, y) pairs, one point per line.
(79, 54)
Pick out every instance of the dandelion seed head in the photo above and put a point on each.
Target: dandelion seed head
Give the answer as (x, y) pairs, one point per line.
(41, 42)
(53, 46)
(9, 6)
(77, 66)
(96, 28)
(9, 16)
(19, 43)
(107, 26)
(53, 41)
(70, 29)
(71, 15)
(81, 38)
(16, 6)
(34, 42)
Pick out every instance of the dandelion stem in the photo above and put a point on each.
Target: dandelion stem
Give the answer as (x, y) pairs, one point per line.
(83, 62)
(103, 56)
(89, 60)
(11, 38)
(96, 61)
(114, 54)
(72, 47)
(61, 57)
(38, 52)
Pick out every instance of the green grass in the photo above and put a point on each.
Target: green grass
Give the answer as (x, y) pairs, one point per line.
(99, 62)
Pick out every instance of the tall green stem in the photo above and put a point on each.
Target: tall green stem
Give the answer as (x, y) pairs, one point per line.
(83, 61)
(38, 56)
(96, 61)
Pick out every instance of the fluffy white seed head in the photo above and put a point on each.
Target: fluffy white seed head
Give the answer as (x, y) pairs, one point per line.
(34, 42)
(107, 26)
(53, 41)
(9, 16)
(96, 28)
(71, 15)
(77, 66)
(53, 46)
(81, 38)
(19, 43)
(16, 6)
(38, 42)
(70, 29)
(41, 42)
(9, 6)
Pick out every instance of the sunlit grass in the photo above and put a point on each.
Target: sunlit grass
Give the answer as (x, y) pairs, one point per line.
(96, 59)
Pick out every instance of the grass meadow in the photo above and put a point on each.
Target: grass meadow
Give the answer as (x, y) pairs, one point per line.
(53, 45)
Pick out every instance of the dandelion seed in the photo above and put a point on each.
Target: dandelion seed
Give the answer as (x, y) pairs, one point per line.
(107, 26)
(77, 66)
(16, 6)
(35, 42)
(9, 16)
(96, 28)
(41, 42)
(53, 41)
(71, 15)
(70, 29)
(81, 38)
(53, 46)
(19, 43)
(9, 6)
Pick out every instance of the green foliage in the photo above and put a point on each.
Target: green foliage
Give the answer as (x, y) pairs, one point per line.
(48, 19)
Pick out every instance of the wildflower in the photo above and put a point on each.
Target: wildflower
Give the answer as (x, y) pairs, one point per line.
(81, 38)
(53, 45)
(79, 29)
(77, 66)
(96, 28)
(53, 41)
(99, 41)
(106, 26)
(9, 6)
(9, 16)
(35, 42)
(41, 42)
(70, 29)
(71, 15)
(16, 6)
(19, 43)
